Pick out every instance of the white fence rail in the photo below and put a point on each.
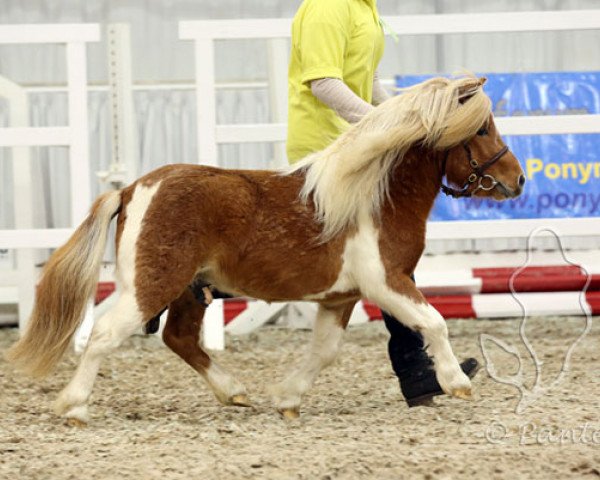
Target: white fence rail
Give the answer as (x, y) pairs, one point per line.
(19, 280)
(74, 135)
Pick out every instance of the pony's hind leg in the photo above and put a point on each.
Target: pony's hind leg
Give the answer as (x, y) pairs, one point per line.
(409, 306)
(327, 336)
(121, 321)
(182, 335)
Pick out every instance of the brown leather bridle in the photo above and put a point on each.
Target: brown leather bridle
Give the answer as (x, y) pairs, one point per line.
(478, 174)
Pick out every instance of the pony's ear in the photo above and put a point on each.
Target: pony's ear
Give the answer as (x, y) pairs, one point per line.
(467, 91)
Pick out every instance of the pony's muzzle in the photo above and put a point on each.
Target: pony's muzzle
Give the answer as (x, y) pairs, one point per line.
(512, 192)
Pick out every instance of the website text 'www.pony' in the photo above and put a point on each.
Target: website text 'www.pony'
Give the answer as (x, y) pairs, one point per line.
(585, 203)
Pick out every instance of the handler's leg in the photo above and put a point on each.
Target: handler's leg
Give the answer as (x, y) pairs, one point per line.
(182, 335)
(327, 336)
(408, 305)
(413, 366)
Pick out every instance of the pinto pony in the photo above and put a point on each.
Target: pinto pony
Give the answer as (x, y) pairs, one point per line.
(345, 223)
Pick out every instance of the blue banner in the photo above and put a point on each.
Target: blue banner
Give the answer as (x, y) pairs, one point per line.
(563, 171)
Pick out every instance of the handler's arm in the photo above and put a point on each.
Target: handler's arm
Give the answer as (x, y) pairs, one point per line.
(380, 95)
(334, 93)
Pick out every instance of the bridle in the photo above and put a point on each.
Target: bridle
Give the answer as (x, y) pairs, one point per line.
(478, 174)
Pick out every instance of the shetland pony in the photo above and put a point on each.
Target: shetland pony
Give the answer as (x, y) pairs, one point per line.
(345, 223)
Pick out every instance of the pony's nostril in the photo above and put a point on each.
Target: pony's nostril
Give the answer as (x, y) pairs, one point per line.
(521, 180)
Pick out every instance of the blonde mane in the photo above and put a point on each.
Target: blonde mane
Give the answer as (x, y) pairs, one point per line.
(352, 174)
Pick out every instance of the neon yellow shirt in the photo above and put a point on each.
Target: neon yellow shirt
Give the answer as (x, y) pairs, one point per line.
(330, 39)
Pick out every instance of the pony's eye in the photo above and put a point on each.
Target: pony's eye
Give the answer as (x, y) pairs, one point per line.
(482, 131)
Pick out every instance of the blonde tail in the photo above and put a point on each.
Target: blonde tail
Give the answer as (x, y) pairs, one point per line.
(68, 280)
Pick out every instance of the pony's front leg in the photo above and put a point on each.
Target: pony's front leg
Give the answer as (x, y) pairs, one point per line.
(329, 327)
(405, 302)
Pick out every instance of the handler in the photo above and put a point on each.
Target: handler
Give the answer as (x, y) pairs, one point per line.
(336, 47)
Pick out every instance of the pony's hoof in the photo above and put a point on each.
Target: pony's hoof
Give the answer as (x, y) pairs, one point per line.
(77, 416)
(75, 422)
(290, 413)
(240, 401)
(463, 393)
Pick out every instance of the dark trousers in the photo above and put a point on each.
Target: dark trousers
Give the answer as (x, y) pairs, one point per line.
(405, 347)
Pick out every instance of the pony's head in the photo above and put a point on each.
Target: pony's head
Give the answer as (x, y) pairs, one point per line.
(442, 116)
(483, 166)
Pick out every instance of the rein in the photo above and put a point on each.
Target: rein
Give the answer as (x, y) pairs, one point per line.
(478, 174)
